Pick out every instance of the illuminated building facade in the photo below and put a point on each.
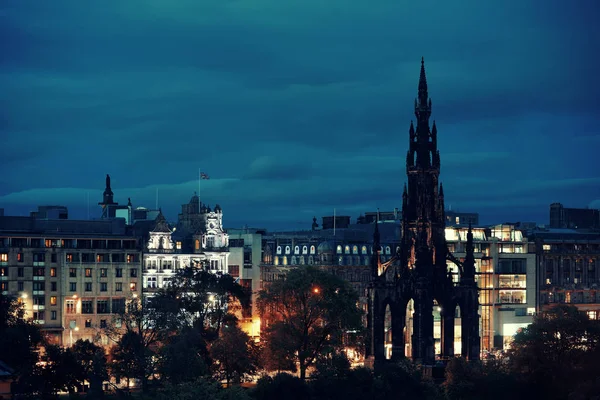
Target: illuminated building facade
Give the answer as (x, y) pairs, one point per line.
(506, 277)
(71, 276)
(201, 244)
(568, 268)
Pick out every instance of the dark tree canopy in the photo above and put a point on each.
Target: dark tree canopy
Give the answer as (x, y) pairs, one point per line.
(307, 314)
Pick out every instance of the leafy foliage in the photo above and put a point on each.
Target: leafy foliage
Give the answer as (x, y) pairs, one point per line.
(307, 314)
(234, 353)
(558, 352)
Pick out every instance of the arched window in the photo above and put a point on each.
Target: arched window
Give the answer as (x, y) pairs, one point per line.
(297, 250)
(364, 249)
(197, 244)
(294, 260)
(287, 249)
(278, 249)
(341, 260)
(354, 249)
(276, 260)
(285, 260)
(339, 249)
(311, 260)
(312, 249)
(301, 260)
(305, 250)
(388, 251)
(347, 249)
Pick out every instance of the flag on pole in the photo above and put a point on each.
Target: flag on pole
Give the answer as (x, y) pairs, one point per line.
(204, 176)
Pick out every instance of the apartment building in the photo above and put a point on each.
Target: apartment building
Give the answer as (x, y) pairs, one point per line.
(71, 276)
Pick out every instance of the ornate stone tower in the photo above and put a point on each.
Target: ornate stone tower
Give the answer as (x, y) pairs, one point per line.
(107, 203)
(419, 271)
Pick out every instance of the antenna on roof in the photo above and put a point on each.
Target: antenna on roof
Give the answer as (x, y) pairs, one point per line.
(156, 199)
(88, 204)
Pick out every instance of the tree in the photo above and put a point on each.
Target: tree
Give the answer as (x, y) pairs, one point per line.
(201, 299)
(234, 353)
(310, 310)
(138, 332)
(91, 364)
(184, 357)
(19, 343)
(558, 352)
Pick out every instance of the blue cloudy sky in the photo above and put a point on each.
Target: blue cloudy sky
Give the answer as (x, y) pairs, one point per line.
(297, 107)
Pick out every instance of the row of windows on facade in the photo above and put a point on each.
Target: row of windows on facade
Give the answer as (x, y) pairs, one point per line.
(339, 250)
(572, 297)
(74, 257)
(572, 248)
(86, 244)
(103, 306)
(88, 286)
(161, 264)
(342, 260)
(53, 272)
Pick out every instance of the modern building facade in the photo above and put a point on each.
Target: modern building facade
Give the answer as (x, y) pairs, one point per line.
(505, 267)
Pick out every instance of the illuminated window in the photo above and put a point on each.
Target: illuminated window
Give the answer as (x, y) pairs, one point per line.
(304, 250)
(297, 250)
(53, 272)
(457, 220)
(388, 250)
(568, 297)
(133, 286)
(287, 250)
(547, 247)
(69, 258)
(592, 314)
(347, 249)
(312, 249)
(354, 249)
(48, 243)
(52, 300)
(129, 258)
(20, 257)
(285, 262)
(4, 257)
(178, 245)
(197, 244)
(70, 307)
(531, 311)
(339, 249)
(88, 272)
(364, 250)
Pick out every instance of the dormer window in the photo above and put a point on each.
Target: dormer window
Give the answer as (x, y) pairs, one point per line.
(339, 249)
(354, 249)
(312, 250)
(278, 249)
(297, 250)
(287, 250)
(305, 250)
(347, 249)
(364, 249)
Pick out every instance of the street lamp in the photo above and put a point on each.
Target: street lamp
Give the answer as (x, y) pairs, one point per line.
(71, 334)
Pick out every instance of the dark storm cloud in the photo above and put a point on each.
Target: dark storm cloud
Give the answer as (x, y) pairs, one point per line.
(298, 107)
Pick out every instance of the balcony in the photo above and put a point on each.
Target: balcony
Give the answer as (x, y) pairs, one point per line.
(215, 249)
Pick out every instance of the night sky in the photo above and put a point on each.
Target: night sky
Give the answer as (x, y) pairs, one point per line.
(297, 107)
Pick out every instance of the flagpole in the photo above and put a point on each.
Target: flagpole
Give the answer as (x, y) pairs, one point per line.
(334, 222)
(199, 180)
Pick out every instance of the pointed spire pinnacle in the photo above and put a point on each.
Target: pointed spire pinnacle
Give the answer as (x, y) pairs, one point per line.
(441, 190)
(434, 128)
(411, 130)
(423, 96)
